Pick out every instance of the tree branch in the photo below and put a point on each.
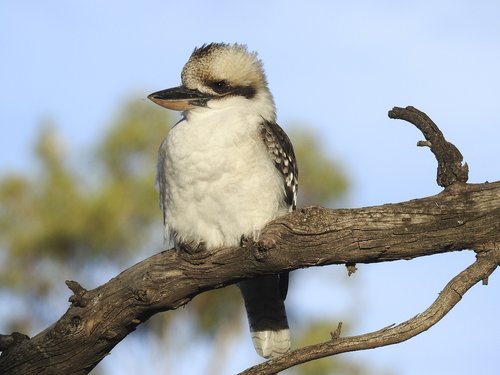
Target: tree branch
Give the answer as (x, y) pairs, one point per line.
(452, 293)
(463, 216)
(450, 168)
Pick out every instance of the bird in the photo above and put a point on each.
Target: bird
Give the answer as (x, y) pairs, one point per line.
(225, 170)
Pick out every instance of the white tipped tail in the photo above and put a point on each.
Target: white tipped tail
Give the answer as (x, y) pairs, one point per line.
(264, 301)
(271, 344)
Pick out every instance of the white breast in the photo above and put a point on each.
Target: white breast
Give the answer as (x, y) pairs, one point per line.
(220, 181)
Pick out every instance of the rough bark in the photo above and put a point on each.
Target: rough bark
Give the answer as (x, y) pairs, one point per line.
(463, 216)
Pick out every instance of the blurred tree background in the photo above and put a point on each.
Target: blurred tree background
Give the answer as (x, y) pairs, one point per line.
(86, 216)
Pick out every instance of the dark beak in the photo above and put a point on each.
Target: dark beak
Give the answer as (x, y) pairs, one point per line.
(180, 98)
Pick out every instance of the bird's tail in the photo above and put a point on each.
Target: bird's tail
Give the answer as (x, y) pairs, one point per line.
(264, 301)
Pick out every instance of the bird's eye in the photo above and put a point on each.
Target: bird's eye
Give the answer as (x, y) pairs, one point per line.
(220, 86)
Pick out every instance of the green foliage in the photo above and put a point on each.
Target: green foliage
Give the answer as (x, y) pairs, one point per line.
(321, 180)
(69, 213)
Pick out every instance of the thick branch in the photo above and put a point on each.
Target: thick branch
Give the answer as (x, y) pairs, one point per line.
(465, 217)
(484, 266)
(7, 341)
(461, 217)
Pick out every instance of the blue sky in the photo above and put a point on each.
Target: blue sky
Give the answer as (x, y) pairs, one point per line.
(337, 67)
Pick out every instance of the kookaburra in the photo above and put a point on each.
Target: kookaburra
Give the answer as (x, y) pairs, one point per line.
(226, 169)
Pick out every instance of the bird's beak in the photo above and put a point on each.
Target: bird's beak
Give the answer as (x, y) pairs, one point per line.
(180, 98)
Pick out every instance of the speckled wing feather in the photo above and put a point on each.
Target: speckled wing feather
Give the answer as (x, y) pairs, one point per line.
(281, 150)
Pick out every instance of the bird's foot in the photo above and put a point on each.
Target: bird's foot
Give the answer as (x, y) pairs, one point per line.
(245, 241)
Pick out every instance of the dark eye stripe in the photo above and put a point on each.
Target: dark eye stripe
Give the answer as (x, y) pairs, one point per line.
(220, 87)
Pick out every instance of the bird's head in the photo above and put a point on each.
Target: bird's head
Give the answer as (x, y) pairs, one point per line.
(218, 75)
